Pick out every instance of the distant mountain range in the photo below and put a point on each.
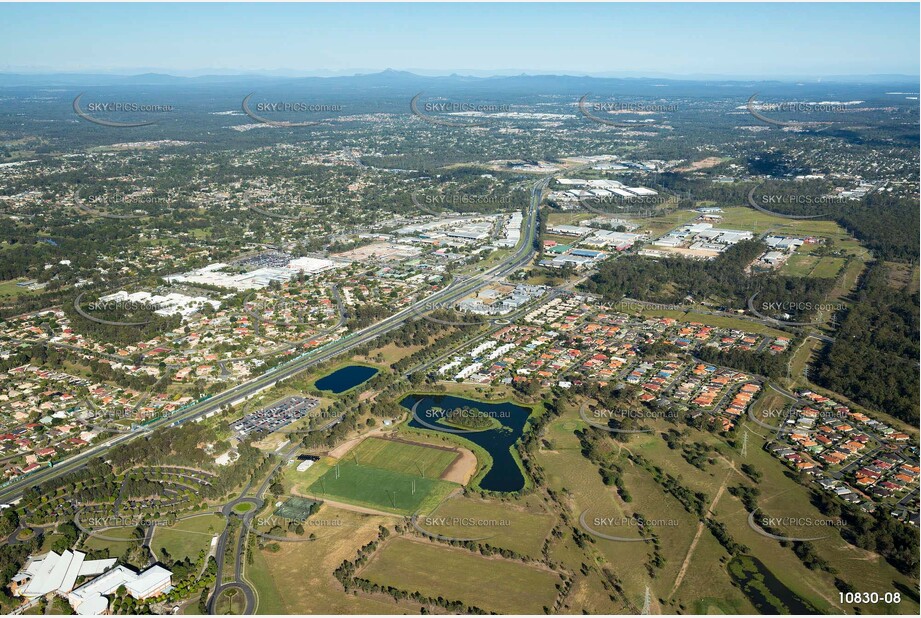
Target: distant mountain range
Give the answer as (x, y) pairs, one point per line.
(394, 78)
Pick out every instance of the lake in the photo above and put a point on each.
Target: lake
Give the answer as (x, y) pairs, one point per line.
(504, 475)
(343, 379)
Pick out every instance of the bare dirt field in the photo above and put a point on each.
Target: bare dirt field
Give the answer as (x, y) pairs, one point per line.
(461, 469)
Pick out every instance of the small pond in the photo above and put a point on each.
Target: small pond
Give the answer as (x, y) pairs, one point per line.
(346, 378)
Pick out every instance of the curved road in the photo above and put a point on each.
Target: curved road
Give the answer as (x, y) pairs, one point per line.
(257, 501)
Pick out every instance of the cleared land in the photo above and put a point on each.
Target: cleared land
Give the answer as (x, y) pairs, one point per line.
(718, 321)
(520, 525)
(827, 268)
(493, 584)
(570, 473)
(311, 566)
(805, 265)
(744, 218)
(258, 575)
(903, 276)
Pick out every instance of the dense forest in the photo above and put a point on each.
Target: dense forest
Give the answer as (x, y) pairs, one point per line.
(874, 359)
(760, 363)
(888, 228)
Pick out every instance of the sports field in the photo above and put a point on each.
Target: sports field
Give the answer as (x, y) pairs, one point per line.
(413, 459)
(384, 490)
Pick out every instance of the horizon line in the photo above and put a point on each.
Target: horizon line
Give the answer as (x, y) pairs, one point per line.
(470, 73)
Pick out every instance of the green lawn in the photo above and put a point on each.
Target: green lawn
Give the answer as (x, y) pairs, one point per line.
(745, 218)
(10, 289)
(258, 574)
(800, 265)
(188, 537)
(805, 265)
(377, 488)
(828, 267)
(115, 548)
(231, 601)
(413, 459)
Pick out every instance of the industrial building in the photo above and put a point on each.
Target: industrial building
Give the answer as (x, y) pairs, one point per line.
(173, 303)
(255, 279)
(512, 231)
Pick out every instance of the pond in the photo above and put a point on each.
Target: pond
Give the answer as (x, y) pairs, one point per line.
(505, 474)
(346, 378)
(767, 593)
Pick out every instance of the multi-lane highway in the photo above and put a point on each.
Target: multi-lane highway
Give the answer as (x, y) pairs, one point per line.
(523, 253)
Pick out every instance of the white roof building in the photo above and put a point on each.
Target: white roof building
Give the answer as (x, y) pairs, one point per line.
(93, 606)
(772, 257)
(668, 241)
(310, 264)
(570, 260)
(643, 191)
(149, 583)
(89, 599)
(734, 236)
(570, 230)
(54, 572)
(606, 237)
(107, 583)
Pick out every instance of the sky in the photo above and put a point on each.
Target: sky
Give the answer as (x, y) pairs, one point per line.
(692, 39)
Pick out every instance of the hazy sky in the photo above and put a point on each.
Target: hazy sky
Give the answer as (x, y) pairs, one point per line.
(679, 39)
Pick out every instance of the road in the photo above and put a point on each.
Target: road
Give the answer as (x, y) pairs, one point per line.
(257, 501)
(455, 291)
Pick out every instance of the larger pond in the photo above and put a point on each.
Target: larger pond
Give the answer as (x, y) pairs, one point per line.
(508, 421)
(346, 378)
(767, 593)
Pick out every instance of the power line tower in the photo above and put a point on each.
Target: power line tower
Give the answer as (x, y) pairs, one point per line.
(647, 601)
(745, 444)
